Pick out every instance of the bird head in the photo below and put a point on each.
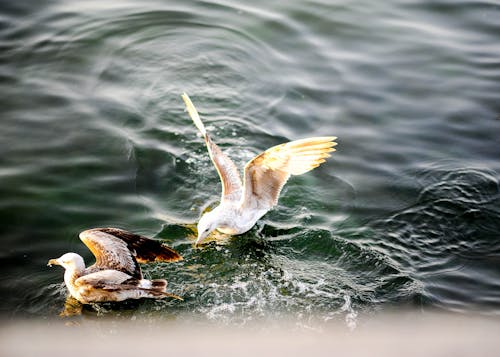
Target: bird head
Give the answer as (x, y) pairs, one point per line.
(208, 222)
(68, 261)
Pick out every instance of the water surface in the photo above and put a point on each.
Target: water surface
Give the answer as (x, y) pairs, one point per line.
(405, 214)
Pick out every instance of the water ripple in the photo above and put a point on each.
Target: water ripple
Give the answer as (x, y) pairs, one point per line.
(93, 133)
(449, 234)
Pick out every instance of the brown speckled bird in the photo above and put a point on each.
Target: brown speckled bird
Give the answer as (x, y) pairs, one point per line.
(116, 274)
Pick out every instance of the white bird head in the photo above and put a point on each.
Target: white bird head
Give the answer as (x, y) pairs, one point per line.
(70, 261)
(208, 222)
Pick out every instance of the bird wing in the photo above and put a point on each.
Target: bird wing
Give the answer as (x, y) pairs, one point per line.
(145, 250)
(111, 253)
(112, 280)
(228, 173)
(103, 279)
(266, 174)
(121, 250)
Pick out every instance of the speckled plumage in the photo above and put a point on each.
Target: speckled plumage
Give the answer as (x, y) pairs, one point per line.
(116, 274)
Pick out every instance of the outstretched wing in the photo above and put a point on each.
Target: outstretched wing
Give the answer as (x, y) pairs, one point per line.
(266, 174)
(228, 173)
(111, 253)
(145, 250)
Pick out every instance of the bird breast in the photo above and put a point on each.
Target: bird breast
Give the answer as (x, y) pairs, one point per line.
(229, 230)
(238, 221)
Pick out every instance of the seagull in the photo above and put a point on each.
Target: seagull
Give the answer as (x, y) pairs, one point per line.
(116, 275)
(242, 204)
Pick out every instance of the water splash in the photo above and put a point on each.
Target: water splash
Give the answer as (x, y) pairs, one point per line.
(351, 315)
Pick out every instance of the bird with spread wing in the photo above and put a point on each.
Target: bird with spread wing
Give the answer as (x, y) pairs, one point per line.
(244, 203)
(116, 274)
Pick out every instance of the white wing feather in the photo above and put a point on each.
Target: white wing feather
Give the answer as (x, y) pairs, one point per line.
(266, 174)
(228, 173)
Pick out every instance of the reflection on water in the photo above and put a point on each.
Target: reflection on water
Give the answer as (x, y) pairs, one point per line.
(93, 133)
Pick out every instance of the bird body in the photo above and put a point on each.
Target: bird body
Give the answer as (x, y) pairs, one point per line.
(243, 203)
(232, 219)
(116, 275)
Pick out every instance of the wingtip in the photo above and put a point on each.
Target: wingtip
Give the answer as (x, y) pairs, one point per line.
(193, 113)
(167, 254)
(170, 255)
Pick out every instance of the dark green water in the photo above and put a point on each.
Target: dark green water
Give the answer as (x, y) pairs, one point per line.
(406, 214)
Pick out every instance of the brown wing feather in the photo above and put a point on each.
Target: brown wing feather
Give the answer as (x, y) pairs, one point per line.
(145, 250)
(228, 173)
(111, 253)
(266, 174)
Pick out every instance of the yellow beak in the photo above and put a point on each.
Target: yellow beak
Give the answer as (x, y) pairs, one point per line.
(52, 262)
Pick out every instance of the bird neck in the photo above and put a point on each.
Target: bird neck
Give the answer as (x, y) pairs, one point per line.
(71, 274)
(226, 218)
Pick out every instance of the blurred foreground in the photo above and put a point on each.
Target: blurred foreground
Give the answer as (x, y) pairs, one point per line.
(394, 335)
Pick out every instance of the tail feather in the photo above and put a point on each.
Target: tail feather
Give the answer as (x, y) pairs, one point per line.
(157, 289)
(159, 284)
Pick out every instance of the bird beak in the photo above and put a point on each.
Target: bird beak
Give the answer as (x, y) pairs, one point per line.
(52, 262)
(201, 238)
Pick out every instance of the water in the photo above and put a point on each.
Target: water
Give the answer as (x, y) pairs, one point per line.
(405, 214)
